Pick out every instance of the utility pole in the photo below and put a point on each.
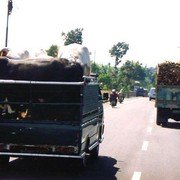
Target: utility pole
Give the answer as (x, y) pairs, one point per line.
(9, 10)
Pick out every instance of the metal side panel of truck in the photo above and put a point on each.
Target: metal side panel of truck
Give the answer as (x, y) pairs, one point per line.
(167, 103)
(50, 119)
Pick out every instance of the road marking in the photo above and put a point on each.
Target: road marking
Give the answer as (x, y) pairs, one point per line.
(145, 145)
(153, 117)
(136, 176)
(149, 129)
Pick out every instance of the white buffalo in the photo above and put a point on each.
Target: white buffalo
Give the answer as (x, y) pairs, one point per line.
(76, 53)
(25, 54)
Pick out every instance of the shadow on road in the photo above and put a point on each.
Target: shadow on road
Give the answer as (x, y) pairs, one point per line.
(27, 168)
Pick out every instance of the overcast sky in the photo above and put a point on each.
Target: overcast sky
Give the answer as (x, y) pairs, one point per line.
(150, 27)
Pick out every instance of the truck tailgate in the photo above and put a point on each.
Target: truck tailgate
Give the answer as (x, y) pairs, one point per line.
(39, 140)
(168, 97)
(26, 133)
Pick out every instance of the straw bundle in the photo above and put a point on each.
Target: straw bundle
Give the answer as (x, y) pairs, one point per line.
(168, 73)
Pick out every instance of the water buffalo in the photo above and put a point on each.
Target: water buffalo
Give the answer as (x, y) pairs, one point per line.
(40, 70)
(76, 53)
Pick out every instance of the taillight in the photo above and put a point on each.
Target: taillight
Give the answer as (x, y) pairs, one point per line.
(66, 149)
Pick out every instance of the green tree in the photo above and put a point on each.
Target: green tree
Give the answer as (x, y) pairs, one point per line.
(124, 78)
(73, 36)
(52, 51)
(150, 77)
(118, 51)
(105, 80)
(107, 76)
(95, 68)
(131, 72)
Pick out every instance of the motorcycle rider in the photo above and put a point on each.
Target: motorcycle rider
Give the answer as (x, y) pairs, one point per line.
(113, 97)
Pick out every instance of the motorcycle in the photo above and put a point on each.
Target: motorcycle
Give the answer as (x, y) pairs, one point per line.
(113, 103)
(121, 99)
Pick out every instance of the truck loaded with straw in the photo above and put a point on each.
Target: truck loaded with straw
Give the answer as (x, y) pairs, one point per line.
(168, 92)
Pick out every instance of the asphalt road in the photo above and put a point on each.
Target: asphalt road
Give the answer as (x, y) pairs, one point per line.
(134, 148)
(142, 149)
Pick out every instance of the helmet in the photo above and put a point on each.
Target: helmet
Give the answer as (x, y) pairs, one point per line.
(113, 90)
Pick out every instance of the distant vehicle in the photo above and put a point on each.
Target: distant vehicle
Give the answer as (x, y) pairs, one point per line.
(152, 93)
(140, 92)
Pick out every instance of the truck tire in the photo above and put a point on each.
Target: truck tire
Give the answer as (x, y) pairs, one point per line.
(83, 162)
(158, 117)
(4, 162)
(113, 103)
(162, 117)
(94, 153)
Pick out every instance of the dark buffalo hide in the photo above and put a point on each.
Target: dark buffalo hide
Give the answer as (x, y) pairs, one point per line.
(40, 70)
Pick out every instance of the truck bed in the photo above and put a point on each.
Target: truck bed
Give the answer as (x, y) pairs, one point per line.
(50, 119)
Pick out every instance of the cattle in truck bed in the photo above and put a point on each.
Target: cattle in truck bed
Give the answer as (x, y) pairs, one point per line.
(40, 70)
(76, 53)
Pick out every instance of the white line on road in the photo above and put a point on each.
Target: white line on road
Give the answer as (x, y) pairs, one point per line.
(136, 176)
(152, 119)
(145, 145)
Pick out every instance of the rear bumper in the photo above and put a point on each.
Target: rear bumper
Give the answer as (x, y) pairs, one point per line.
(12, 154)
(56, 151)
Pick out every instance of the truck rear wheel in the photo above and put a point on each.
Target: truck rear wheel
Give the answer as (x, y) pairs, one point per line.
(83, 162)
(162, 117)
(158, 118)
(4, 162)
(94, 153)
